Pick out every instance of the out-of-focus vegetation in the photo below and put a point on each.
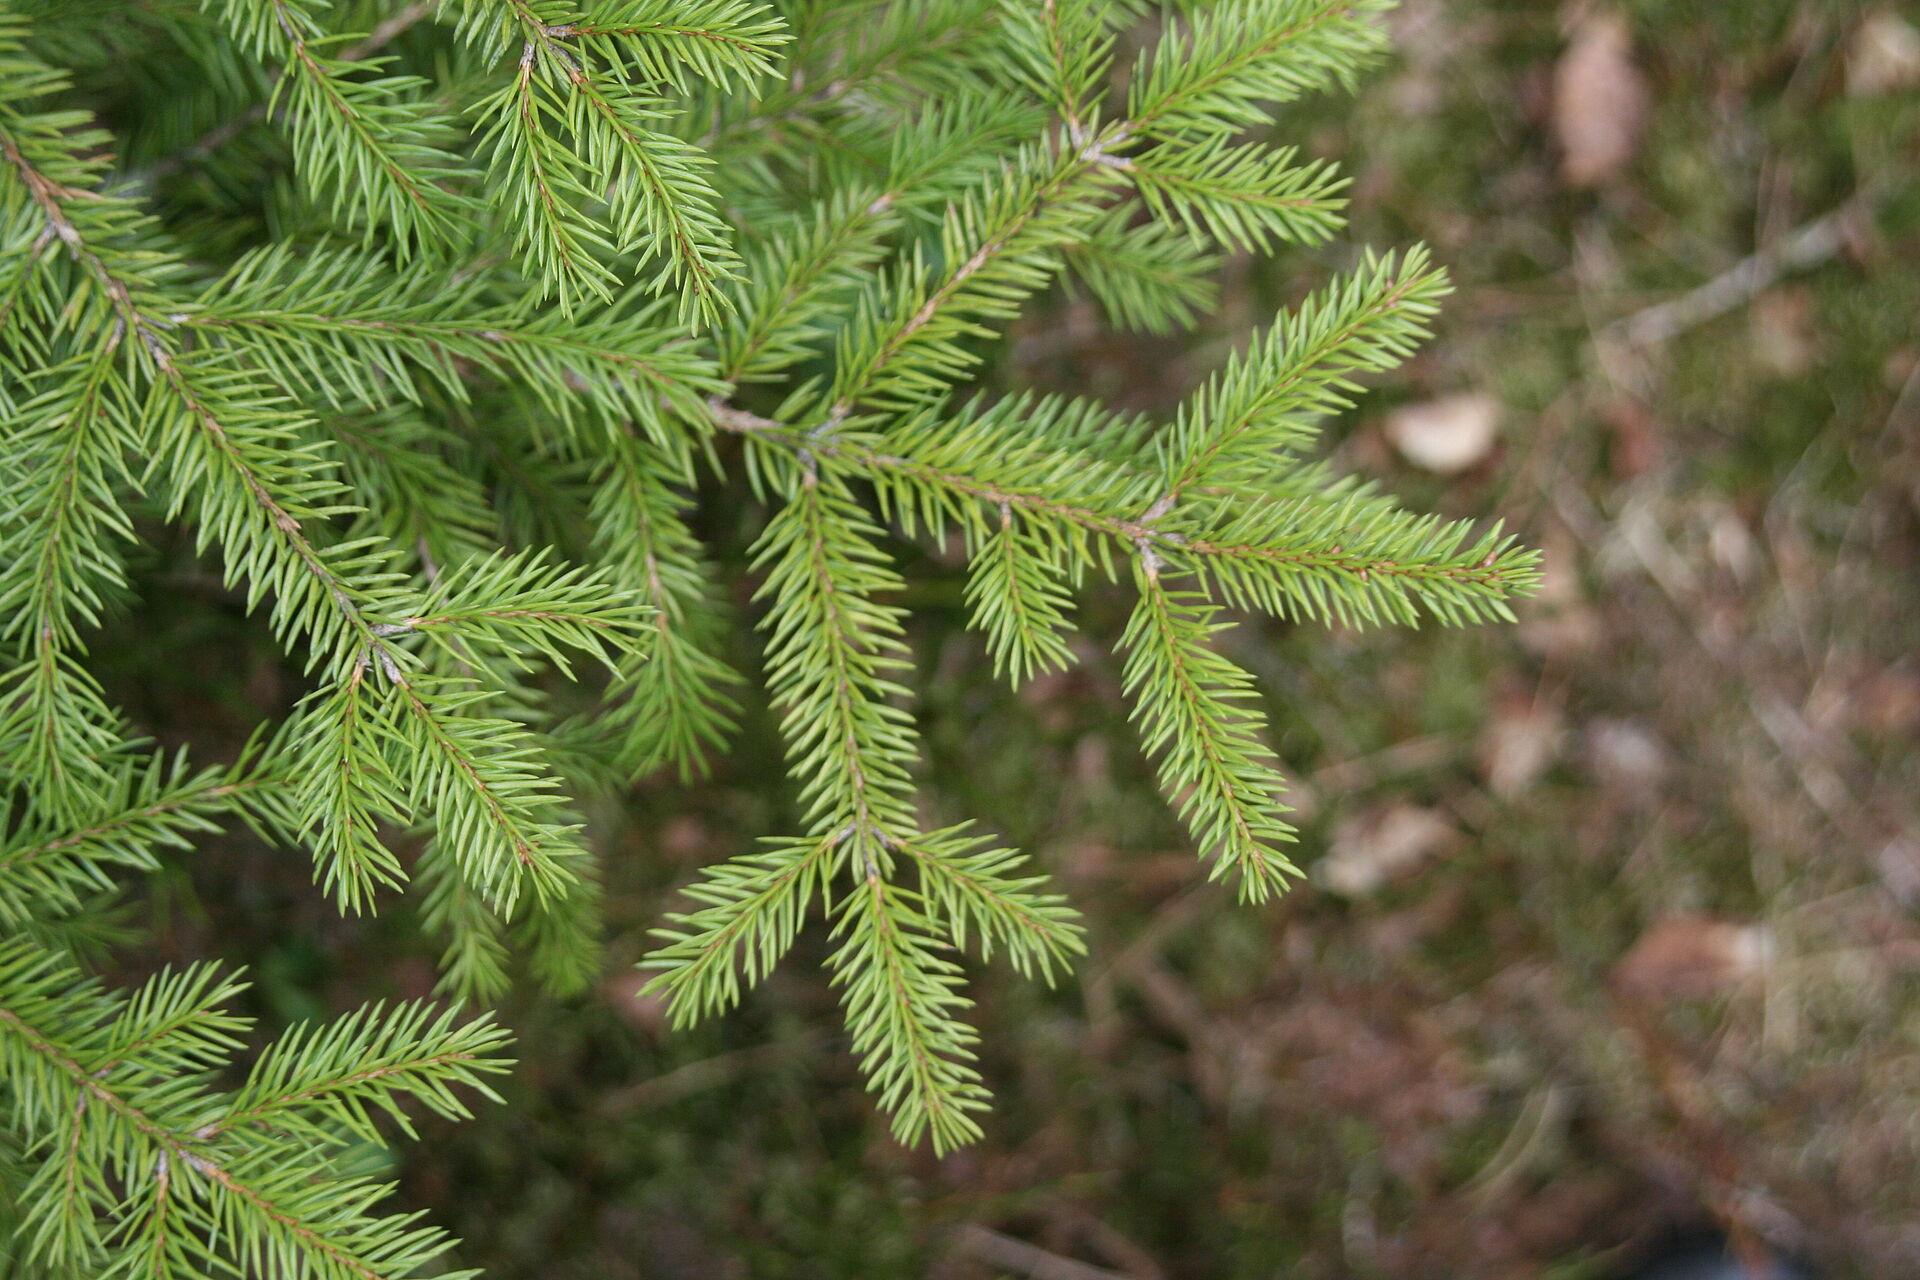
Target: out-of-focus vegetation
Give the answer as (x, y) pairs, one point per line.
(1615, 917)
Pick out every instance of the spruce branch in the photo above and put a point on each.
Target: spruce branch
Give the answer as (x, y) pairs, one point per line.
(972, 887)
(1190, 704)
(216, 138)
(57, 727)
(578, 107)
(60, 522)
(474, 951)
(347, 789)
(952, 473)
(1235, 59)
(1244, 197)
(672, 700)
(224, 442)
(1019, 598)
(524, 606)
(197, 1182)
(49, 869)
(843, 55)
(683, 43)
(475, 448)
(1145, 276)
(218, 429)
(1270, 399)
(798, 281)
(59, 566)
(324, 1078)
(339, 327)
(1060, 49)
(997, 249)
(752, 908)
(902, 998)
(834, 655)
(494, 802)
(538, 182)
(411, 471)
(370, 143)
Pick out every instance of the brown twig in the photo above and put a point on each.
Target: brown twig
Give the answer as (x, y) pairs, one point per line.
(1023, 1259)
(1805, 247)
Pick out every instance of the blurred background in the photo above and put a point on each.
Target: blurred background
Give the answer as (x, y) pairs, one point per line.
(1612, 927)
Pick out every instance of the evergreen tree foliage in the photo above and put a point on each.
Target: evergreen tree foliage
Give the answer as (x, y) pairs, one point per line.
(428, 320)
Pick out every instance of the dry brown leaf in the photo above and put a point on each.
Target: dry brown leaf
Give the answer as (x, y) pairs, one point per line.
(1887, 702)
(1784, 342)
(1397, 1069)
(1693, 957)
(1518, 744)
(1422, 44)
(643, 1012)
(1599, 101)
(1899, 868)
(1883, 56)
(1379, 845)
(1559, 622)
(1730, 543)
(1446, 435)
(1627, 754)
(1635, 434)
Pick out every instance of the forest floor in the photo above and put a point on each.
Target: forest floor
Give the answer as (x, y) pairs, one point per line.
(1612, 928)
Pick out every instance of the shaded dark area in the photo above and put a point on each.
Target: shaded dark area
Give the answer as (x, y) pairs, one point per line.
(1610, 930)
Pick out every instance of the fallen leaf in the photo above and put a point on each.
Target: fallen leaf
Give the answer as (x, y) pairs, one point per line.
(1883, 56)
(1887, 703)
(1901, 364)
(643, 1012)
(1446, 435)
(1518, 744)
(1396, 1069)
(1693, 957)
(1635, 435)
(1783, 338)
(1401, 931)
(1899, 868)
(1380, 845)
(1626, 754)
(1559, 622)
(686, 839)
(1421, 43)
(1553, 1220)
(1731, 543)
(1599, 101)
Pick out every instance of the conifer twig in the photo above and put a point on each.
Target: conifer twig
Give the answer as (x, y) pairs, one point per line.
(471, 450)
(221, 134)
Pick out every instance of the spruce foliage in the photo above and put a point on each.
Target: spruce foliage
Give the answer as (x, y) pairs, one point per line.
(437, 400)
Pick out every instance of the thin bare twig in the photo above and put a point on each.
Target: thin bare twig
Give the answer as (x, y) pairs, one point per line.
(1804, 247)
(1023, 1259)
